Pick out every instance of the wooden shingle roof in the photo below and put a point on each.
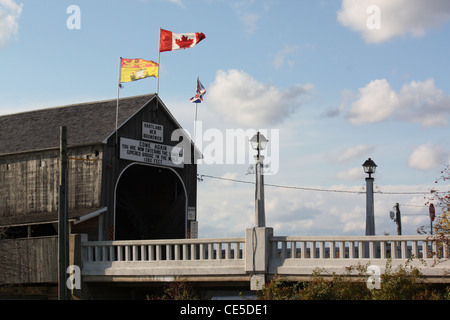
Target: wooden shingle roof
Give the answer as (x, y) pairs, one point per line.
(87, 123)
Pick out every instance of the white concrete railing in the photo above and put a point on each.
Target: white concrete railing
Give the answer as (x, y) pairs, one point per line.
(299, 257)
(368, 247)
(255, 256)
(165, 250)
(164, 260)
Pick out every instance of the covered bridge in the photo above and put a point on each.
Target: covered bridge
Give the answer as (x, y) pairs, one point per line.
(123, 187)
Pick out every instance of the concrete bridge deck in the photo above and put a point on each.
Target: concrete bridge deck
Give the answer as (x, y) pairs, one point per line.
(258, 257)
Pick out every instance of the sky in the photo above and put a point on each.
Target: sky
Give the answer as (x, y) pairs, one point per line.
(330, 83)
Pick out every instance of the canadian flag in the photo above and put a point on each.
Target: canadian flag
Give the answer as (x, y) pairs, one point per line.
(174, 41)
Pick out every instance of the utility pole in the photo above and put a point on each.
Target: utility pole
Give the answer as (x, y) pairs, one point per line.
(63, 228)
(396, 216)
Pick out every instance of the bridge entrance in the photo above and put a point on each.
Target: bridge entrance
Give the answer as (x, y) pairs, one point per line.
(150, 204)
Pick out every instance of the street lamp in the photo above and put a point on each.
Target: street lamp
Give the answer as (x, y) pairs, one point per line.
(369, 168)
(259, 142)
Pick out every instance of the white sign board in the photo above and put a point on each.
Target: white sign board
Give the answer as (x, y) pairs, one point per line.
(194, 229)
(149, 152)
(191, 213)
(152, 131)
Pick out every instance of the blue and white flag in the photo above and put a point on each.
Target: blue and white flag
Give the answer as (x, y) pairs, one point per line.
(199, 93)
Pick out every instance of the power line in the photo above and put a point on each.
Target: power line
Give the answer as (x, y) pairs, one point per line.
(201, 176)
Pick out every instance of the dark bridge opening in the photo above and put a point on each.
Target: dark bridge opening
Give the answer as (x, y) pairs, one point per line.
(150, 204)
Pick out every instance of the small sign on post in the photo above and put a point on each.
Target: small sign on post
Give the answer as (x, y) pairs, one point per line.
(432, 216)
(191, 214)
(432, 212)
(194, 229)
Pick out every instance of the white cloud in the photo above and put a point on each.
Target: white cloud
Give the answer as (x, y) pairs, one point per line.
(375, 103)
(420, 102)
(355, 152)
(248, 14)
(281, 57)
(9, 16)
(397, 17)
(241, 99)
(227, 177)
(429, 156)
(177, 2)
(353, 174)
(227, 209)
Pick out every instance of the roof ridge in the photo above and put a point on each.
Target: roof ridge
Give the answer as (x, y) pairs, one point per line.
(77, 104)
(88, 122)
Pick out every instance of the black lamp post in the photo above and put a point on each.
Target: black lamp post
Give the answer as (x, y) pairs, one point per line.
(369, 168)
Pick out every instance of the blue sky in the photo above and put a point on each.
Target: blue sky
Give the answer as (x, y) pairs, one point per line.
(335, 91)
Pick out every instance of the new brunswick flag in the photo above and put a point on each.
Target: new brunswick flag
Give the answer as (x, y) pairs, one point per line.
(136, 69)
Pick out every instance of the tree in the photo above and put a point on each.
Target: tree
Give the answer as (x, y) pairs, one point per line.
(442, 198)
(441, 228)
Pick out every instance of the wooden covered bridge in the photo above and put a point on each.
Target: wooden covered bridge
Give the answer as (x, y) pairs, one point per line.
(132, 212)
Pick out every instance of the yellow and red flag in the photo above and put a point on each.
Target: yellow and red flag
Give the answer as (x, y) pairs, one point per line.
(136, 69)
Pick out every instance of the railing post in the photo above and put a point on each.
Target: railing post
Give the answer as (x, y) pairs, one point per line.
(312, 250)
(303, 254)
(361, 251)
(404, 250)
(445, 250)
(293, 249)
(342, 250)
(228, 251)
(382, 250)
(394, 250)
(321, 249)
(415, 249)
(351, 250)
(332, 250)
(193, 251)
(257, 255)
(371, 250)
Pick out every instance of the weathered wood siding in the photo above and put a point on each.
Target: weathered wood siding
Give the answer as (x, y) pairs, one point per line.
(29, 182)
(31, 260)
(85, 177)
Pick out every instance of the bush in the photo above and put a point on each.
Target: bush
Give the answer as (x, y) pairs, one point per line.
(279, 289)
(178, 290)
(403, 283)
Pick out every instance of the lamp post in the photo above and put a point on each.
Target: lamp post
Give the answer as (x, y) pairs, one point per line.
(259, 142)
(369, 168)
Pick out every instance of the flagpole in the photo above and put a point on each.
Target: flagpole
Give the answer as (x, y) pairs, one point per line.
(159, 60)
(159, 68)
(195, 124)
(117, 106)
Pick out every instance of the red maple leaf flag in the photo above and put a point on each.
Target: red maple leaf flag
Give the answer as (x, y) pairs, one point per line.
(170, 41)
